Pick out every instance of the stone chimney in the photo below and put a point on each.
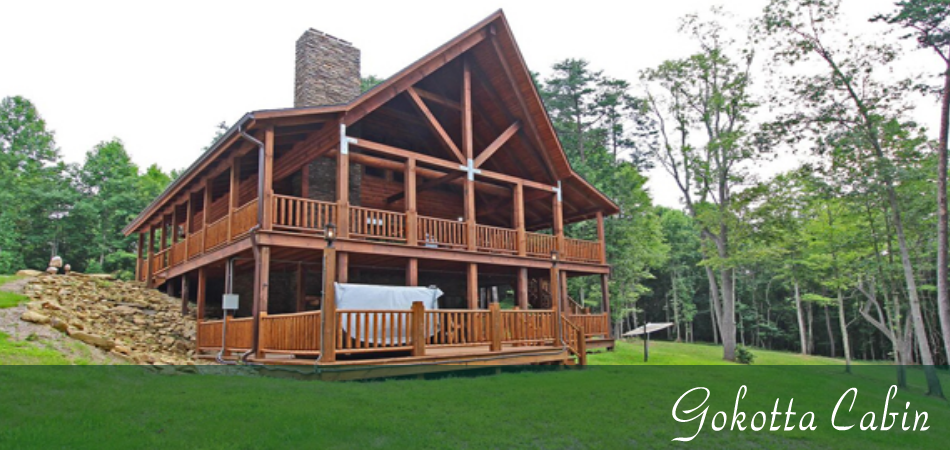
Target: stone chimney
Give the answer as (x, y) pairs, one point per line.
(328, 70)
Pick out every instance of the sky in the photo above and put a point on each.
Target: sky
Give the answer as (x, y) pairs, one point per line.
(160, 76)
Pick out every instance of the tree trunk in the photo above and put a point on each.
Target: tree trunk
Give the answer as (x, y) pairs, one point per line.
(801, 320)
(811, 328)
(842, 322)
(713, 303)
(676, 309)
(727, 327)
(831, 335)
(943, 303)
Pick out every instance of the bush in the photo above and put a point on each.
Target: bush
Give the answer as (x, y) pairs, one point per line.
(744, 355)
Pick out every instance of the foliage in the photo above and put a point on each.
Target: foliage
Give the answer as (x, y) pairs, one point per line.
(744, 355)
(368, 82)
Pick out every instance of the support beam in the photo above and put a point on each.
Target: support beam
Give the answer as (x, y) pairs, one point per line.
(202, 293)
(343, 185)
(150, 257)
(518, 222)
(605, 296)
(497, 144)
(435, 126)
(601, 237)
(261, 291)
(328, 308)
(430, 184)
(301, 287)
(521, 290)
(189, 219)
(138, 258)
(343, 267)
(412, 272)
(409, 180)
(184, 295)
(554, 288)
(267, 180)
(557, 226)
(565, 307)
(436, 98)
(472, 286)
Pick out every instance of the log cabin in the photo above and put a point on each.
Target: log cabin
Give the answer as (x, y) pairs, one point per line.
(447, 174)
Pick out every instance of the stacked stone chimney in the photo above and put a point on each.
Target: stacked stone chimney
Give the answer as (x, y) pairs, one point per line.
(328, 70)
(327, 73)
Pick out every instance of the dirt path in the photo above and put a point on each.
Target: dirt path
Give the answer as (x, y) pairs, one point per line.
(43, 336)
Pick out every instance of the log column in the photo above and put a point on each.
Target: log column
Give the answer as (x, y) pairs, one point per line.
(605, 297)
(150, 256)
(518, 215)
(412, 272)
(201, 298)
(472, 286)
(409, 179)
(328, 307)
(601, 237)
(343, 185)
(522, 288)
(557, 227)
(138, 261)
(467, 151)
(267, 181)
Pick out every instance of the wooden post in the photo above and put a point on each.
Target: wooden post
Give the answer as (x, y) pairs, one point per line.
(343, 267)
(467, 151)
(301, 287)
(522, 288)
(138, 258)
(605, 294)
(150, 256)
(554, 286)
(202, 296)
(328, 307)
(409, 179)
(267, 181)
(174, 228)
(600, 237)
(558, 225)
(494, 310)
(189, 217)
(417, 329)
(234, 190)
(472, 286)
(261, 291)
(184, 294)
(343, 187)
(163, 242)
(204, 216)
(412, 272)
(581, 347)
(565, 307)
(518, 214)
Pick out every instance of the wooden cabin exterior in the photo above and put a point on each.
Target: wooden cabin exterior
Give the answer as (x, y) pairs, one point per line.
(449, 173)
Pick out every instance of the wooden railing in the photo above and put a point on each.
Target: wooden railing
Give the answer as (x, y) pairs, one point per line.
(373, 330)
(196, 244)
(540, 245)
(209, 334)
(295, 213)
(297, 333)
(377, 224)
(243, 219)
(216, 233)
(240, 334)
(528, 327)
(592, 324)
(581, 250)
(458, 327)
(495, 239)
(441, 233)
(177, 254)
(160, 261)
(573, 337)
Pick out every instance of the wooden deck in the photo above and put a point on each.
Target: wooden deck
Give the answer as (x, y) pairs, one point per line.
(412, 337)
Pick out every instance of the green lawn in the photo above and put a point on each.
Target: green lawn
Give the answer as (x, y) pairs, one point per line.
(33, 353)
(9, 299)
(598, 407)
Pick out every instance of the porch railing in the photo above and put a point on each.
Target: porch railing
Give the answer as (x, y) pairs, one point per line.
(195, 244)
(528, 327)
(216, 233)
(297, 333)
(295, 213)
(581, 250)
(441, 233)
(377, 224)
(240, 334)
(495, 239)
(592, 324)
(457, 327)
(573, 337)
(373, 330)
(160, 261)
(243, 219)
(540, 245)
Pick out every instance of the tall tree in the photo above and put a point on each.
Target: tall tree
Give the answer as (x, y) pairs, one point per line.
(848, 96)
(927, 22)
(705, 98)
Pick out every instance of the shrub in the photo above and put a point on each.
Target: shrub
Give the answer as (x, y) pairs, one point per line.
(744, 355)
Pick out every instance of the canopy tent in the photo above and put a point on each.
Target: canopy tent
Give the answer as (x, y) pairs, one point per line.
(368, 297)
(647, 329)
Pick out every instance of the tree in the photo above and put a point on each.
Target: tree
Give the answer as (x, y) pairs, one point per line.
(368, 82)
(848, 97)
(704, 98)
(927, 22)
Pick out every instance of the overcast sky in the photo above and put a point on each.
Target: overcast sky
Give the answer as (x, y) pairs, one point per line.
(160, 76)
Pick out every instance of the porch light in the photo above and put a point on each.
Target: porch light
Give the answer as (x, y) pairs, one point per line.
(554, 257)
(329, 233)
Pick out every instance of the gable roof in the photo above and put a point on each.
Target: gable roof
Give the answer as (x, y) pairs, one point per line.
(491, 35)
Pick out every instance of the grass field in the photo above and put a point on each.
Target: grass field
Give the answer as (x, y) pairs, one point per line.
(9, 299)
(598, 407)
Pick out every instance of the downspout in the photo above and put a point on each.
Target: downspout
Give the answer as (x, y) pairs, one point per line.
(255, 248)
